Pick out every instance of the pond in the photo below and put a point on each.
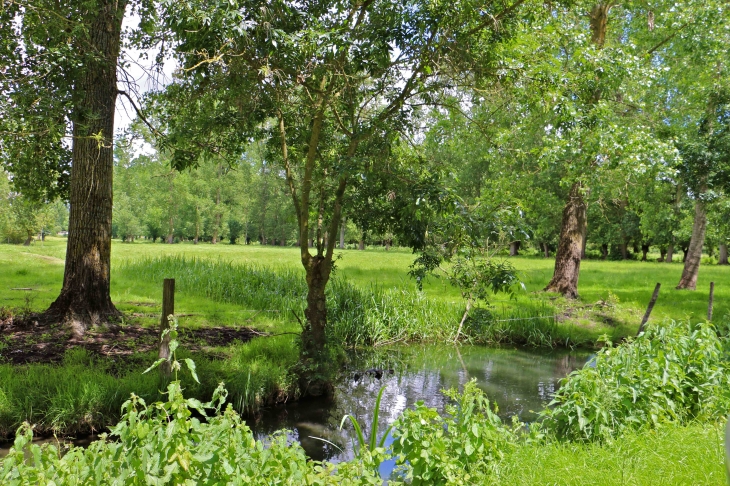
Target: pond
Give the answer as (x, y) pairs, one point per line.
(520, 381)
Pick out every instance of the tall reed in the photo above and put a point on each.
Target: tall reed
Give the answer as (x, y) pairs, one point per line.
(357, 316)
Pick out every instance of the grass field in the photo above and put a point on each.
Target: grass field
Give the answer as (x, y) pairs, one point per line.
(625, 285)
(670, 456)
(259, 370)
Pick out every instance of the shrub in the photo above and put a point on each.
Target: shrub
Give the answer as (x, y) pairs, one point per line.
(670, 373)
(457, 448)
(163, 443)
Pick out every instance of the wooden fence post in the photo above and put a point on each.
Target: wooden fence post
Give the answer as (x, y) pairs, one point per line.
(709, 305)
(168, 308)
(649, 309)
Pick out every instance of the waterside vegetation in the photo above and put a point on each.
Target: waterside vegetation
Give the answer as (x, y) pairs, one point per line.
(168, 442)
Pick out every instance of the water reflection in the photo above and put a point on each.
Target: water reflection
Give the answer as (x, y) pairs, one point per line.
(519, 381)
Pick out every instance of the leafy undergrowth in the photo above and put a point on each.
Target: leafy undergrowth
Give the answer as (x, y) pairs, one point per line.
(676, 372)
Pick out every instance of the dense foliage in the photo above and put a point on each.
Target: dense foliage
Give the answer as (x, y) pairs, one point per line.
(676, 372)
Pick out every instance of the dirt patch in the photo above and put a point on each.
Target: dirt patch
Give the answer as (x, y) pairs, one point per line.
(29, 342)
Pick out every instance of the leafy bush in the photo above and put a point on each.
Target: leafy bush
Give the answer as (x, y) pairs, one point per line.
(457, 448)
(670, 373)
(164, 443)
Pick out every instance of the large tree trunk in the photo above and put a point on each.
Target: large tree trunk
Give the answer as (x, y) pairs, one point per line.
(567, 258)
(514, 248)
(670, 253)
(722, 259)
(84, 300)
(694, 253)
(624, 250)
(170, 231)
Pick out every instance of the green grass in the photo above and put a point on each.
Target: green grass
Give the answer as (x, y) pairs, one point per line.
(372, 300)
(629, 284)
(86, 393)
(670, 456)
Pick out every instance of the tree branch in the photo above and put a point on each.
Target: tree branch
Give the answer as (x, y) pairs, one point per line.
(141, 116)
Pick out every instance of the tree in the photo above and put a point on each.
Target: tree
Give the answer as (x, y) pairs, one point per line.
(692, 97)
(22, 218)
(336, 82)
(588, 77)
(59, 69)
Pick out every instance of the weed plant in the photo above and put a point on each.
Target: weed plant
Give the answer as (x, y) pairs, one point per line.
(676, 372)
(458, 448)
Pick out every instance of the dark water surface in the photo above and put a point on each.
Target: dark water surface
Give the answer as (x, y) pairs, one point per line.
(520, 381)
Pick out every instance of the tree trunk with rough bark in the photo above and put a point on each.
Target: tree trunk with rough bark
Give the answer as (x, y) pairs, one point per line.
(644, 251)
(318, 273)
(571, 246)
(170, 231)
(691, 269)
(722, 259)
(567, 258)
(218, 215)
(84, 300)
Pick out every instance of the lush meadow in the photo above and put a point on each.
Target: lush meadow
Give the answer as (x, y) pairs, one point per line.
(373, 303)
(624, 287)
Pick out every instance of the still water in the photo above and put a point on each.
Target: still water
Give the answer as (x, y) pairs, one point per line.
(520, 381)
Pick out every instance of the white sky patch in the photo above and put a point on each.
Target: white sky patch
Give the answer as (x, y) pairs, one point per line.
(137, 77)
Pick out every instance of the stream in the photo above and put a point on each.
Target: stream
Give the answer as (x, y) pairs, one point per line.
(520, 381)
